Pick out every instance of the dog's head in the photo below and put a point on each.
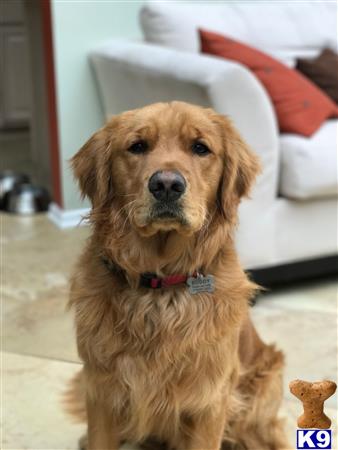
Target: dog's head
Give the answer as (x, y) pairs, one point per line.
(168, 166)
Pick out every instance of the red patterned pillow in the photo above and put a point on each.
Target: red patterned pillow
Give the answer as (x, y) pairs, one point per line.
(301, 107)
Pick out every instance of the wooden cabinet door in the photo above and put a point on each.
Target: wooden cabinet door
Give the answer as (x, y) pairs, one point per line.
(15, 77)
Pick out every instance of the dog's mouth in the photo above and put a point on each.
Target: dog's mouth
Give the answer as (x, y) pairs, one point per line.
(163, 216)
(167, 212)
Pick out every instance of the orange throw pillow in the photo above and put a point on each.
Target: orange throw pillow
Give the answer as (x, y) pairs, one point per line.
(300, 106)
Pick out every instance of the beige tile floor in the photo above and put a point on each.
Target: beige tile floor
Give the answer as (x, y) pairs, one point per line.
(38, 346)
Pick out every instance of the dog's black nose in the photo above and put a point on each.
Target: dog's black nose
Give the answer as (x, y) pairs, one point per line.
(167, 185)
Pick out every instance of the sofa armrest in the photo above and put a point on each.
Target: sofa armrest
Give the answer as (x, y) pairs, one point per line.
(132, 74)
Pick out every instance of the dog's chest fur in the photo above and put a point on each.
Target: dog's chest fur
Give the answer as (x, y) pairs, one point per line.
(157, 356)
(148, 395)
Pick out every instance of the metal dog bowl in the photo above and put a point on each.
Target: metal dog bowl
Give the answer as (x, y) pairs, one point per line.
(26, 199)
(8, 179)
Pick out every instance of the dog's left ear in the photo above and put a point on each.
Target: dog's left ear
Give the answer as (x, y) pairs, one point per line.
(241, 166)
(91, 167)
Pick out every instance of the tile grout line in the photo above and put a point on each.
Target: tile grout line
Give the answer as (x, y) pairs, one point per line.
(46, 358)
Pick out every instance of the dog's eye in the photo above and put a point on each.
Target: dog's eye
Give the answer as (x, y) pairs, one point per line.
(200, 149)
(138, 147)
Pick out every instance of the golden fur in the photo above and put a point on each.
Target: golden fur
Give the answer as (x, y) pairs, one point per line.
(187, 370)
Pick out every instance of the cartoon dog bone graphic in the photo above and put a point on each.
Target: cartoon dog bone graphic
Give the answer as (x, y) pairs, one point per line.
(313, 396)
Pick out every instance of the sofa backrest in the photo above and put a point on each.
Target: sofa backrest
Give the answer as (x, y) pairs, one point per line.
(286, 29)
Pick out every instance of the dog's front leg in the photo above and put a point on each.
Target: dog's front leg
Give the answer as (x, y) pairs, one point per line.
(102, 433)
(203, 432)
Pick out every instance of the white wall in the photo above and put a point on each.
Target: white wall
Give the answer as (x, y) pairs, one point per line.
(78, 27)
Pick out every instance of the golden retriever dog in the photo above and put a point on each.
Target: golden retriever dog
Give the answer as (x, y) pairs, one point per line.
(161, 302)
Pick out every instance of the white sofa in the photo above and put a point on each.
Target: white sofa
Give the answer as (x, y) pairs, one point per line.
(292, 215)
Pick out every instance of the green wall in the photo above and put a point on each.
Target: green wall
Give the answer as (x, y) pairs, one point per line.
(78, 27)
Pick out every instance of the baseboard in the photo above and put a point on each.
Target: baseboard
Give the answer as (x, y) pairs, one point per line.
(67, 218)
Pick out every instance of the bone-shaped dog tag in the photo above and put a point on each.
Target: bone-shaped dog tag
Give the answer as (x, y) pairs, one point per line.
(201, 283)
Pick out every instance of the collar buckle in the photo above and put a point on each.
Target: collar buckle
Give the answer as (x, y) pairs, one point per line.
(150, 280)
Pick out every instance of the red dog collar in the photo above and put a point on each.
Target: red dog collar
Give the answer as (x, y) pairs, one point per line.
(151, 280)
(196, 283)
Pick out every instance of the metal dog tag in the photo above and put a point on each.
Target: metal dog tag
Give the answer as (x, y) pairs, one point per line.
(201, 283)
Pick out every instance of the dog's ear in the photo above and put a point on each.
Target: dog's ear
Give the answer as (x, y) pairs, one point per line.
(241, 166)
(92, 166)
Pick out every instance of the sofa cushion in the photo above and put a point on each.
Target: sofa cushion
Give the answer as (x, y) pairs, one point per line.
(285, 30)
(301, 107)
(309, 166)
(323, 71)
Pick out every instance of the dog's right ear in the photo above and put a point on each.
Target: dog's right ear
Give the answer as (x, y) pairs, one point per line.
(241, 166)
(92, 166)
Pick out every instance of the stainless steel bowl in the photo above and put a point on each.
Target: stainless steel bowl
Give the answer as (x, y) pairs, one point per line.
(8, 179)
(26, 199)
